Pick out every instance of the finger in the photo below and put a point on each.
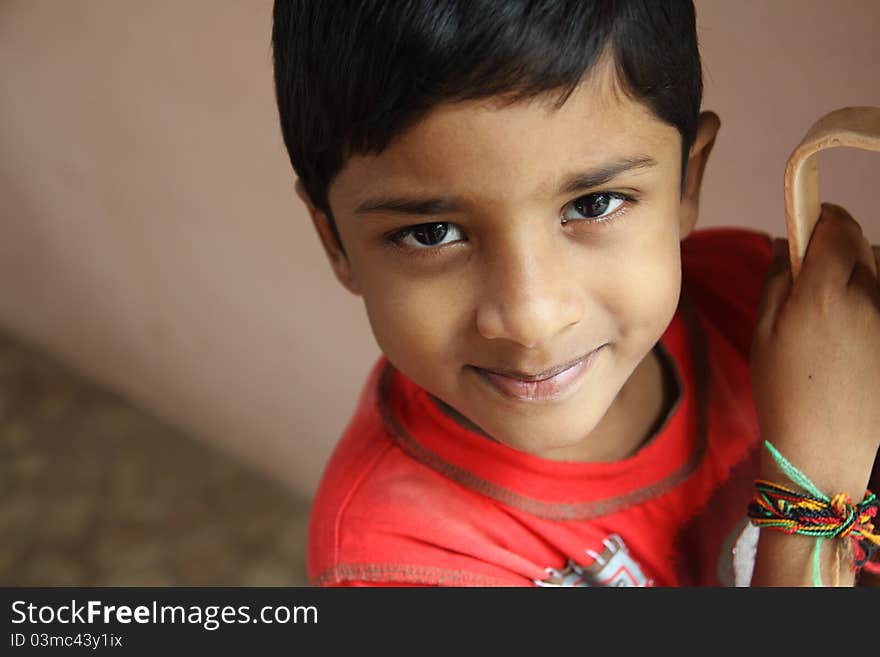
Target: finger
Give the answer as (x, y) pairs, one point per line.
(833, 249)
(864, 273)
(865, 267)
(864, 279)
(865, 258)
(777, 285)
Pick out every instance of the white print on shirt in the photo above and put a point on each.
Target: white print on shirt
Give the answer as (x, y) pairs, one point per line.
(613, 566)
(736, 557)
(744, 555)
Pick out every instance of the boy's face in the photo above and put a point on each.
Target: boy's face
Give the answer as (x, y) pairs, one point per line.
(525, 263)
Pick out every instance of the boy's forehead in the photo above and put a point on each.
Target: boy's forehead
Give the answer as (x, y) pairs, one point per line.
(478, 148)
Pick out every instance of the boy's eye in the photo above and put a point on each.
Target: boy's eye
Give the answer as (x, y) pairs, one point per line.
(428, 235)
(598, 206)
(594, 206)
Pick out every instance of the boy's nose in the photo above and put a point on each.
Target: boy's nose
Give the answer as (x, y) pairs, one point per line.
(529, 296)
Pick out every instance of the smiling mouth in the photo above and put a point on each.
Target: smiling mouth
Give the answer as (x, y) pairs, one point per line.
(540, 376)
(549, 384)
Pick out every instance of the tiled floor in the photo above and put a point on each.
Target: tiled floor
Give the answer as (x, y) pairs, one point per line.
(94, 491)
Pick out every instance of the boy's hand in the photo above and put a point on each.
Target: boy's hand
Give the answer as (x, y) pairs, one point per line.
(815, 359)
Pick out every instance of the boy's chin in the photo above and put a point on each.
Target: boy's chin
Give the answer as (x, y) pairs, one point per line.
(555, 443)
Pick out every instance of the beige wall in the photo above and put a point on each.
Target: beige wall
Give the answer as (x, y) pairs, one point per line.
(771, 68)
(149, 234)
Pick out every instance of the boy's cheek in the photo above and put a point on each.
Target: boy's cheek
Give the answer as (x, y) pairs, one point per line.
(413, 321)
(649, 270)
(646, 297)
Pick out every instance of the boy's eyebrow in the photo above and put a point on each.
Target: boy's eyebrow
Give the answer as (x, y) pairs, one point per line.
(579, 181)
(605, 173)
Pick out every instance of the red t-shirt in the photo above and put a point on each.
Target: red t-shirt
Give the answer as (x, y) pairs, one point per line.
(411, 497)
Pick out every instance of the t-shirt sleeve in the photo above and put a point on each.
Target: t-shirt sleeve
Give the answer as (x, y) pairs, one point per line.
(723, 272)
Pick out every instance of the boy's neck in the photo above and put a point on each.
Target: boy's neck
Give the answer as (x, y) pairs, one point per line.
(639, 411)
(642, 407)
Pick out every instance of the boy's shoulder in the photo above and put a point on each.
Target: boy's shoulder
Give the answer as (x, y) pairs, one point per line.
(723, 272)
(725, 248)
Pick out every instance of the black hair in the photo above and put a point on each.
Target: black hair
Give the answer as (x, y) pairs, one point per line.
(351, 75)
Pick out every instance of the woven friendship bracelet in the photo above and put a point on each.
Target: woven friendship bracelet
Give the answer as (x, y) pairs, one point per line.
(781, 508)
(814, 514)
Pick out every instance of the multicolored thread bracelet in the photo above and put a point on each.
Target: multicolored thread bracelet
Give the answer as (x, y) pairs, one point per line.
(814, 514)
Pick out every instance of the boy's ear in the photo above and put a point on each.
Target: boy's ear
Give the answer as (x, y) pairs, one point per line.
(329, 240)
(707, 130)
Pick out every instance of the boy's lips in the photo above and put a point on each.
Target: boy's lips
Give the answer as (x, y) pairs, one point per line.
(548, 384)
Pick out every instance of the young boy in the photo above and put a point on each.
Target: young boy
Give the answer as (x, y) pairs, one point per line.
(564, 395)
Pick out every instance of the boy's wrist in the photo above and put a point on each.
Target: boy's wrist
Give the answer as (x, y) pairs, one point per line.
(792, 553)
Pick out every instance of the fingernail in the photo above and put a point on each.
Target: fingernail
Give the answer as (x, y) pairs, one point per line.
(833, 208)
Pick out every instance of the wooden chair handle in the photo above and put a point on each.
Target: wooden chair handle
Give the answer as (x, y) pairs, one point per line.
(857, 127)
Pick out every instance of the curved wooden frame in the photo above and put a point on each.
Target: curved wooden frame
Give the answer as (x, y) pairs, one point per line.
(856, 127)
